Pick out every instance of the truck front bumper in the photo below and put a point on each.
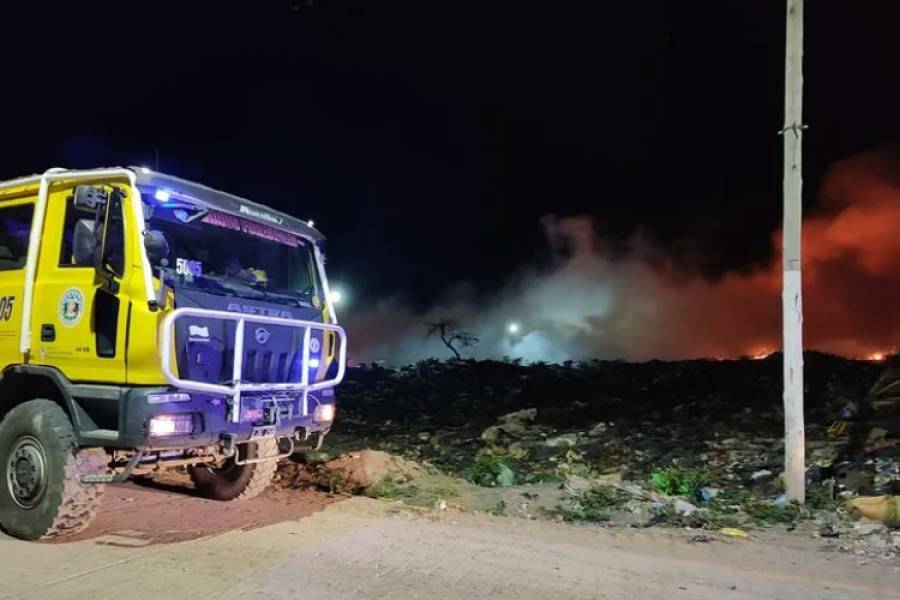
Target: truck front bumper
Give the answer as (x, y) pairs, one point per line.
(168, 418)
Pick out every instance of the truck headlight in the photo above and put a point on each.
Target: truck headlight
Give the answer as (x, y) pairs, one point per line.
(163, 425)
(324, 413)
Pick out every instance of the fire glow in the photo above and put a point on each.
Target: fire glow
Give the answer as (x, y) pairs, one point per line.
(762, 354)
(881, 356)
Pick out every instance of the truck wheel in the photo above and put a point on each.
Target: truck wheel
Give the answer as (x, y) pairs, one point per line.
(237, 482)
(41, 495)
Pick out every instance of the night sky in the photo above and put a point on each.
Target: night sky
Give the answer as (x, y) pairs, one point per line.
(428, 139)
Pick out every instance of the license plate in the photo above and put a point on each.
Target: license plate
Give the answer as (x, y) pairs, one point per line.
(262, 432)
(252, 414)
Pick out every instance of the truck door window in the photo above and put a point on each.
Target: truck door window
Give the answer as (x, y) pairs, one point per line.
(114, 244)
(15, 227)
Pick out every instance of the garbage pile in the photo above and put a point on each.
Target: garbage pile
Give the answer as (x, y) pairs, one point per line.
(694, 443)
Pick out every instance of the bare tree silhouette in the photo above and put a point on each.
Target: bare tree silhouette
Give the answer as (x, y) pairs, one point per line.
(452, 335)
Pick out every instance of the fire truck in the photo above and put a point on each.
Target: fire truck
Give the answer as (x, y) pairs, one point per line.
(148, 322)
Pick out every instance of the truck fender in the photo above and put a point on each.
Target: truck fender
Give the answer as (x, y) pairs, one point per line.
(20, 383)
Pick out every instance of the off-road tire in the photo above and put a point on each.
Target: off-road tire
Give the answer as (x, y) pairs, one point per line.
(65, 506)
(238, 482)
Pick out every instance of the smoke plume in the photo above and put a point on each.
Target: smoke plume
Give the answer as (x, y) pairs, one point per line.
(593, 304)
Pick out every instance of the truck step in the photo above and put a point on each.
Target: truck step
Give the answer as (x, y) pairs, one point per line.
(96, 478)
(93, 479)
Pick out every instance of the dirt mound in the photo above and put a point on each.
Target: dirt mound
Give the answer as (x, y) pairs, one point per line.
(350, 473)
(361, 470)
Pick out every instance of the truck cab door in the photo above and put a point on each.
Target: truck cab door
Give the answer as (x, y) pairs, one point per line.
(80, 316)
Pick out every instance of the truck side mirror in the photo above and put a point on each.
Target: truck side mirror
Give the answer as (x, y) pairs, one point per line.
(85, 245)
(90, 197)
(157, 246)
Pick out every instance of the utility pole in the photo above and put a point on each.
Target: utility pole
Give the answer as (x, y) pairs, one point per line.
(792, 288)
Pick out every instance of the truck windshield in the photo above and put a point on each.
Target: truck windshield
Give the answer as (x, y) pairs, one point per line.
(224, 254)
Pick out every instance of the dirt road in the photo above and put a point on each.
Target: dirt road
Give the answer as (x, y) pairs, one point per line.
(359, 548)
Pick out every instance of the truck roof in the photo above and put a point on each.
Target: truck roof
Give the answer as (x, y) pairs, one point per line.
(204, 196)
(225, 202)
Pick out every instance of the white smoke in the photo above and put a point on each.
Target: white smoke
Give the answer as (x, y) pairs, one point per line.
(587, 305)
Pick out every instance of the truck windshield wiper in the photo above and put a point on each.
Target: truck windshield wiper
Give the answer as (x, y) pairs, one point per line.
(242, 290)
(287, 299)
(202, 283)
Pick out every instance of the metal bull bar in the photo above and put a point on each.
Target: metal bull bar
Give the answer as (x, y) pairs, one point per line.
(237, 387)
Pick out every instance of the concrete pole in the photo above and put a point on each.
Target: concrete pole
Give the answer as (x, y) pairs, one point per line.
(792, 291)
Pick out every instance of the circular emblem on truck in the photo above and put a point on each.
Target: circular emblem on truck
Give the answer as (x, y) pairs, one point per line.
(262, 335)
(71, 307)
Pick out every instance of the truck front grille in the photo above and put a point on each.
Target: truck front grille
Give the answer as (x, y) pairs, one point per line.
(268, 367)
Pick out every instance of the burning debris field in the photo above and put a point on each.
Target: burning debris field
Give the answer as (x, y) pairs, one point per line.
(694, 443)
